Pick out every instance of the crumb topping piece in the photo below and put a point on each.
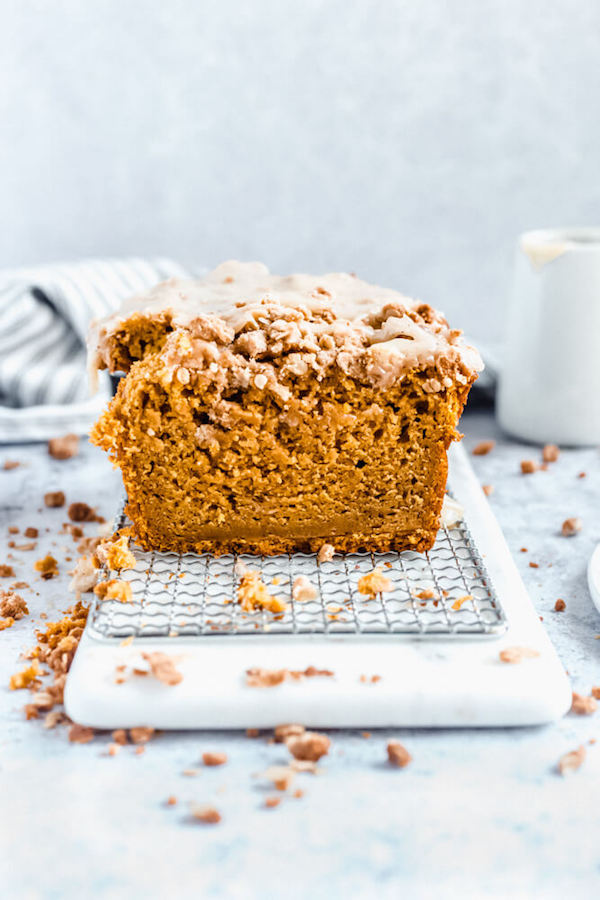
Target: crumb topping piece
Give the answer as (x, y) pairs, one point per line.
(488, 489)
(453, 512)
(214, 759)
(583, 706)
(570, 762)
(550, 453)
(6, 571)
(571, 527)
(12, 605)
(458, 603)
(303, 590)
(114, 590)
(80, 734)
(162, 666)
(115, 553)
(374, 583)
(528, 466)
(64, 447)
(310, 746)
(483, 448)
(271, 802)
(253, 594)
(208, 815)
(84, 577)
(398, 755)
(560, 605)
(426, 594)
(26, 677)
(326, 553)
(258, 677)
(54, 499)
(81, 512)
(517, 654)
(47, 567)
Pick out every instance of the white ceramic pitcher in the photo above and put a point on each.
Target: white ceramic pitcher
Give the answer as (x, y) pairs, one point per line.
(549, 388)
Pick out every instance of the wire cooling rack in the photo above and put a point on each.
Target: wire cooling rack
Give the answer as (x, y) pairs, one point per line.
(446, 591)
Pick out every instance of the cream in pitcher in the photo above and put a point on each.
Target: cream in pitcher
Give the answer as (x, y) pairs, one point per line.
(550, 382)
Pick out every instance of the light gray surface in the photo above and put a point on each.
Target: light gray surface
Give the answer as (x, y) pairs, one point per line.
(410, 142)
(477, 814)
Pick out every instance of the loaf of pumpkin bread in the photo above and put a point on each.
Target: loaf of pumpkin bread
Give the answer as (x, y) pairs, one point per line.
(267, 414)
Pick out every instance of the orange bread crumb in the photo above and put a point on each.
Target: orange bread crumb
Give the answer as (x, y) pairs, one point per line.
(374, 583)
(115, 554)
(48, 567)
(64, 447)
(114, 590)
(163, 668)
(308, 746)
(54, 499)
(398, 755)
(208, 815)
(253, 594)
(12, 605)
(25, 678)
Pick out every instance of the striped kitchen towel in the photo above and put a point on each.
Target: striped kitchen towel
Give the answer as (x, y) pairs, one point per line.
(44, 317)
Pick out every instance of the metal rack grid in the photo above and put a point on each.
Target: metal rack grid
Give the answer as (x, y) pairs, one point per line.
(196, 595)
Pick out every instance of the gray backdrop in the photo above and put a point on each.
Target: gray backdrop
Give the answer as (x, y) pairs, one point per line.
(407, 141)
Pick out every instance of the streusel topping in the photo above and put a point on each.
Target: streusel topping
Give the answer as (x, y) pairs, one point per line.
(373, 333)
